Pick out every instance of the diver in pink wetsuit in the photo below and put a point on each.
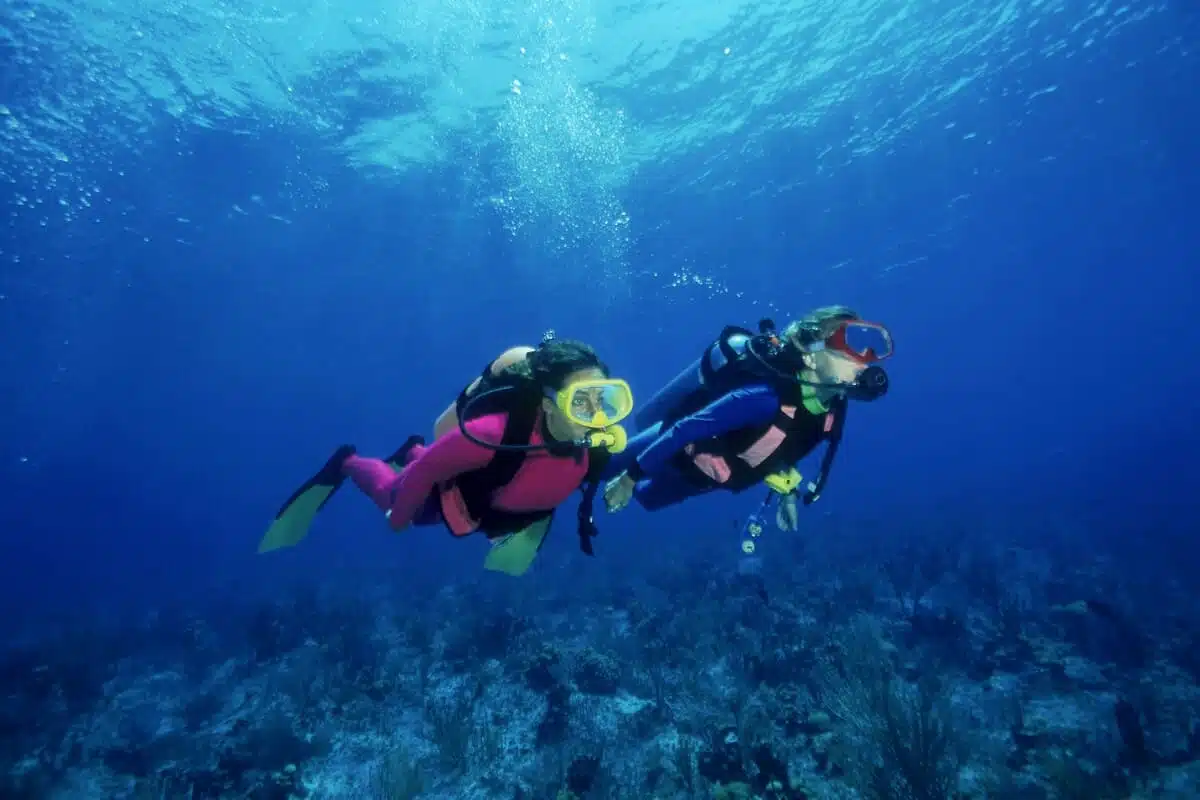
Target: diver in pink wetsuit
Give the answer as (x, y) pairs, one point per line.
(538, 424)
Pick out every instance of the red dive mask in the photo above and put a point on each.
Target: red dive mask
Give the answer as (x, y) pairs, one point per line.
(861, 341)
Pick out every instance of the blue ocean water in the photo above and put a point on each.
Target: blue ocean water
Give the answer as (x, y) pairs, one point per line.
(238, 235)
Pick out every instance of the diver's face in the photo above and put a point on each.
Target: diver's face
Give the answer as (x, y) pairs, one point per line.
(560, 426)
(834, 367)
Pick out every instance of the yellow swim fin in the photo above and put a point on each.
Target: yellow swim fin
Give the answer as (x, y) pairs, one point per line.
(514, 553)
(291, 524)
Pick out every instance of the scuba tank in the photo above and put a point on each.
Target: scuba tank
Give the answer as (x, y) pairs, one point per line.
(728, 355)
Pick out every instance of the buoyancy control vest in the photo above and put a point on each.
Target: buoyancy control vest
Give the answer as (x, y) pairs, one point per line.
(521, 402)
(741, 459)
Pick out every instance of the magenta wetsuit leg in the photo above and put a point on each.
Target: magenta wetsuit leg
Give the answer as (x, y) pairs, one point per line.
(377, 478)
(374, 477)
(380, 481)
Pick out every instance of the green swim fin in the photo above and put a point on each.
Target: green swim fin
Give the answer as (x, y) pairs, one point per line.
(513, 554)
(295, 517)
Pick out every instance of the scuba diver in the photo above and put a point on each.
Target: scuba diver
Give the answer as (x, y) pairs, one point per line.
(535, 426)
(748, 410)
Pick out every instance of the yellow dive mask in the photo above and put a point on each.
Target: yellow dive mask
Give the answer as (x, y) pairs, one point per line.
(595, 404)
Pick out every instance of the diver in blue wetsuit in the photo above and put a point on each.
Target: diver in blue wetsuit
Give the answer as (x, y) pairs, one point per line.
(749, 409)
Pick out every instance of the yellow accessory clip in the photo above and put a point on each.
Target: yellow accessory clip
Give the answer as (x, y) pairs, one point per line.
(595, 404)
(784, 482)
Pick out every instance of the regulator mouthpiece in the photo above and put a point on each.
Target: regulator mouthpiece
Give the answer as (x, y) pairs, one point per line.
(872, 384)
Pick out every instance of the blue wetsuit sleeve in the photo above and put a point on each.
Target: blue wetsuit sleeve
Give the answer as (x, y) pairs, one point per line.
(741, 408)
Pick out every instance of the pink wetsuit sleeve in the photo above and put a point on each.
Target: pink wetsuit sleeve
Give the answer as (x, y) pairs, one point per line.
(450, 456)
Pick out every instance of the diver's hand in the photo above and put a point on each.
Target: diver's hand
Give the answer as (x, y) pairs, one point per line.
(787, 517)
(619, 492)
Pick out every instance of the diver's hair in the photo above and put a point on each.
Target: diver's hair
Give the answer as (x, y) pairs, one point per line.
(818, 324)
(549, 365)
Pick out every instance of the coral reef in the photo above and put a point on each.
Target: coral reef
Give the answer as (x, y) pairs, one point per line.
(858, 663)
